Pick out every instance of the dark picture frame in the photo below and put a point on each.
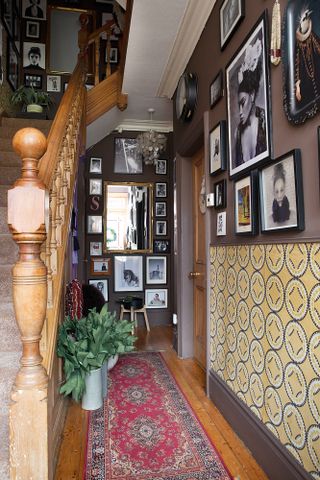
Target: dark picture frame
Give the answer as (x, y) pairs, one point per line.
(161, 190)
(161, 167)
(128, 273)
(102, 285)
(94, 224)
(232, 12)
(32, 29)
(161, 209)
(41, 13)
(281, 194)
(249, 102)
(216, 89)
(31, 80)
(220, 194)
(246, 204)
(161, 246)
(12, 65)
(218, 148)
(156, 298)
(126, 158)
(7, 16)
(161, 227)
(156, 270)
(95, 165)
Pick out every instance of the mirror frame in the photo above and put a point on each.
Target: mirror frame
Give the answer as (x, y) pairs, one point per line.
(150, 186)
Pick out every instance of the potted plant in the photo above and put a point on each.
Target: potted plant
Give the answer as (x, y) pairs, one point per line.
(31, 99)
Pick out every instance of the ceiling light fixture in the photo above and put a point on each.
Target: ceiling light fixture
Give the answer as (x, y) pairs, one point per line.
(151, 143)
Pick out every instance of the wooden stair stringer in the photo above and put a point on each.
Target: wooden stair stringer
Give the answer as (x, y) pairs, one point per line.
(102, 98)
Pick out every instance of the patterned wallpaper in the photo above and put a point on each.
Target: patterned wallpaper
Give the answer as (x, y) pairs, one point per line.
(265, 338)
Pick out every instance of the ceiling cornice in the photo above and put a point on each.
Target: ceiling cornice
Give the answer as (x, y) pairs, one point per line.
(144, 125)
(192, 25)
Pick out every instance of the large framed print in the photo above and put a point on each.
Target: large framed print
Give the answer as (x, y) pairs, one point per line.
(281, 194)
(128, 273)
(248, 102)
(301, 60)
(218, 148)
(231, 14)
(126, 157)
(156, 269)
(246, 205)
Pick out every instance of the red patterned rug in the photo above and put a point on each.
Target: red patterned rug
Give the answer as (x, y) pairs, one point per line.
(147, 429)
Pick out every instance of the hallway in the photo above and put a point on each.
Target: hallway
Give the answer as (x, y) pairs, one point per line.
(191, 380)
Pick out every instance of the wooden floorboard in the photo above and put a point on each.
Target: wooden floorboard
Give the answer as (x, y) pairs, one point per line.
(191, 379)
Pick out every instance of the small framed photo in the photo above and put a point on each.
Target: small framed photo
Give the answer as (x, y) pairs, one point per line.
(128, 273)
(231, 14)
(161, 246)
(216, 89)
(34, 81)
(12, 65)
(126, 158)
(156, 270)
(53, 83)
(95, 186)
(246, 205)
(34, 56)
(161, 209)
(95, 165)
(32, 29)
(102, 285)
(220, 194)
(161, 189)
(36, 11)
(281, 194)
(161, 227)
(113, 55)
(95, 249)
(94, 224)
(161, 167)
(222, 224)
(100, 265)
(156, 298)
(218, 148)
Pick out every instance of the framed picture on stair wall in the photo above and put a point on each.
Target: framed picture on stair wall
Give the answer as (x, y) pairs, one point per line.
(102, 285)
(126, 158)
(12, 65)
(36, 10)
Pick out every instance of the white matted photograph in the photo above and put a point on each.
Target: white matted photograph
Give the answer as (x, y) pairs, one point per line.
(95, 249)
(222, 224)
(161, 167)
(113, 55)
(156, 269)
(94, 224)
(95, 165)
(101, 285)
(231, 14)
(161, 227)
(100, 265)
(126, 158)
(218, 148)
(161, 209)
(161, 189)
(156, 298)
(34, 56)
(32, 29)
(95, 186)
(36, 9)
(53, 83)
(128, 273)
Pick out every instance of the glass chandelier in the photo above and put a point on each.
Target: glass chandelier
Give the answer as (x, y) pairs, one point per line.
(151, 144)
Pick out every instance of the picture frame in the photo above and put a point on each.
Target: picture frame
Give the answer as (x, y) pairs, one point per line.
(216, 89)
(32, 29)
(161, 190)
(161, 167)
(156, 298)
(128, 273)
(161, 209)
(12, 65)
(248, 102)
(246, 204)
(102, 285)
(221, 224)
(94, 224)
(96, 249)
(113, 55)
(220, 194)
(156, 270)
(1, 54)
(7, 17)
(218, 148)
(28, 11)
(100, 266)
(161, 227)
(232, 12)
(34, 56)
(301, 100)
(126, 158)
(54, 83)
(95, 186)
(34, 81)
(95, 165)
(281, 194)
(161, 246)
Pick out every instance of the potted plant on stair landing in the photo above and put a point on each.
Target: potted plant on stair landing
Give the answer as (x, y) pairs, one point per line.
(32, 100)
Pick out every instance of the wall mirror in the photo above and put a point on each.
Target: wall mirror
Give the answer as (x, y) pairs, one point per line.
(128, 217)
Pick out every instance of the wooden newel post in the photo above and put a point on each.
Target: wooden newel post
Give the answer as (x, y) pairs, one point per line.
(26, 219)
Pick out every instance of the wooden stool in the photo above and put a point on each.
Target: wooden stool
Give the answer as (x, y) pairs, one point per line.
(127, 310)
(133, 315)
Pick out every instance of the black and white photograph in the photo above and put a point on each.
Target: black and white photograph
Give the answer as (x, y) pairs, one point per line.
(34, 56)
(101, 285)
(95, 249)
(95, 186)
(218, 148)
(94, 224)
(156, 298)
(231, 14)
(95, 165)
(216, 89)
(36, 9)
(248, 102)
(221, 224)
(161, 167)
(156, 270)
(161, 246)
(12, 65)
(126, 157)
(161, 227)
(113, 55)
(100, 266)
(220, 194)
(53, 83)
(161, 209)
(128, 273)
(281, 194)
(32, 29)
(161, 189)
(34, 81)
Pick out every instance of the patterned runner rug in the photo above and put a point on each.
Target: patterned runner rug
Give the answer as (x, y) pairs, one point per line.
(147, 429)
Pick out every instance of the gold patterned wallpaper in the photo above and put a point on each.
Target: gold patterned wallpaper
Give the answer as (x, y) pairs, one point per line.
(265, 338)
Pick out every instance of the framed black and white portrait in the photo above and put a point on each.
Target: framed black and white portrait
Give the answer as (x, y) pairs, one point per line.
(246, 205)
(95, 165)
(218, 148)
(161, 246)
(95, 249)
(220, 194)
(156, 269)
(126, 157)
(113, 55)
(128, 273)
(248, 102)
(231, 14)
(95, 186)
(161, 190)
(12, 65)
(32, 29)
(34, 56)
(53, 83)
(156, 298)
(161, 167)
(161, 209)
(94, 224)
(281, 194)
(34, 81)
(216, 89)
(102, 285)
(161, 227)
(36, 9)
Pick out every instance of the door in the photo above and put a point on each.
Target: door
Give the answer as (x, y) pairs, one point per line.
(198, 275)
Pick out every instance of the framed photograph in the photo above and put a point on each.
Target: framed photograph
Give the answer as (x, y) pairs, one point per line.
(218, 148)
(95, 165)
(100, 266)
(7, 16)
(231, 14)
(222, 224)
(34, 56)
(248, 102)
(53, 83)
(161, 190)
(1, 54)
(126, 158)
(161, 167)
(95, 249)
(161, 227)
(32, 29)
(101, 285)
(156, 298)
(216, 89)
(12, 65)
(94, 224)
(161, 209)
(128, 273)
(34, 81)
(156, 269)
(220, 194)
(36, 10)
(95, 186)
(281, 194)
(246, 205)
(161, 246)
(113, 55)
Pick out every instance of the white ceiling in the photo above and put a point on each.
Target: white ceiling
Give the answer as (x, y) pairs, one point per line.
(163, 34)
